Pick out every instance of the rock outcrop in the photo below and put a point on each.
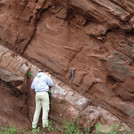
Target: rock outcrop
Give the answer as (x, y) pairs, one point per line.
(95, 37)
(17, 98)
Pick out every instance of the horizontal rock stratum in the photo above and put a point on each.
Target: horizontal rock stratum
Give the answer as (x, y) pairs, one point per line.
(95, 37)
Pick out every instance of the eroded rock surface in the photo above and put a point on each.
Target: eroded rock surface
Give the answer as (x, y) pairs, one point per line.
(95, 37)
(13, 110)
(66, 104)
(13, 89)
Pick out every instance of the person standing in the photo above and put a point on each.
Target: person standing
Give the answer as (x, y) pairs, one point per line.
(41, 84)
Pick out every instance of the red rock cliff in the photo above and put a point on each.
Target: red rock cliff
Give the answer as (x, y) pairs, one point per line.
(93, 36)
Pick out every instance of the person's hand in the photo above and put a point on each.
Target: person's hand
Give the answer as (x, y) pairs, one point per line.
(48, 74)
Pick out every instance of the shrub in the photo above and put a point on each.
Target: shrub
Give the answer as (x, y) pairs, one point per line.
(10, 130)
(30, 74)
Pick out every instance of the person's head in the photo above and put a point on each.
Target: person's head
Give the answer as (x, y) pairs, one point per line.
(43, 71)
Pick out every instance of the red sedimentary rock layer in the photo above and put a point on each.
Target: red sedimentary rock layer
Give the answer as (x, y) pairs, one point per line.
(93, 36)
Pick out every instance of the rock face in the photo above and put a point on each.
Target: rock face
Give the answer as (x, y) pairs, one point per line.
(18, 106)
(95, 37)
(13, 89)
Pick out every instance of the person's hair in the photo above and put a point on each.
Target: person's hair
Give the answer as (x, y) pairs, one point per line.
(43, 70)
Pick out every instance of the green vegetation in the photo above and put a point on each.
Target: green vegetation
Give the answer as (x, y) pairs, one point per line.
(98, 127)
(114, 129)
(66, 128)
(30, 74)
(71, 128)
(8, 130)
(50, 126)
(37, 130)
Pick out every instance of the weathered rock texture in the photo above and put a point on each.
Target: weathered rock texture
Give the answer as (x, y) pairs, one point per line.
(94, 36)
(17, 99)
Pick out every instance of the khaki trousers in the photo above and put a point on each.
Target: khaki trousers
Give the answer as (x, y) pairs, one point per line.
(42, 101)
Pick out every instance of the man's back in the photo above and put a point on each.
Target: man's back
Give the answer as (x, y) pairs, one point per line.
(41, 82)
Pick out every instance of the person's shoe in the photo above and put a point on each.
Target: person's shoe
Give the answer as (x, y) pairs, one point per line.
(34, 129)
(44, 128)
